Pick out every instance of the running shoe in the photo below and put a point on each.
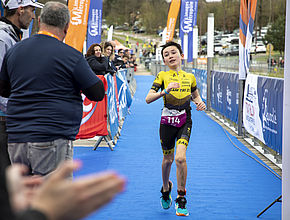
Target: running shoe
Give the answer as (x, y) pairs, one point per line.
(166, 199)
(180, 206)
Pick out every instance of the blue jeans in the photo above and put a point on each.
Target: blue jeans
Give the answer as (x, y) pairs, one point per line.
(41, 157)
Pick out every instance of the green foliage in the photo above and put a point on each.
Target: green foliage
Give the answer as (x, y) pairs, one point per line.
(276, 34)
(152, 14)
(119, 12)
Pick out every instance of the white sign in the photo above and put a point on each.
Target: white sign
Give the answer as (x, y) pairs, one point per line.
(251, 119)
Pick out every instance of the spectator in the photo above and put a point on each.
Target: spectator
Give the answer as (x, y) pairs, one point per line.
(18, 15)
(127, 52)
(125, 63)
(108, 53)
(118, 61)
(98, 63)
(132, 62)
(136, 47)
(114, 49)
(45, 104)
(281, 62)
(57, 198)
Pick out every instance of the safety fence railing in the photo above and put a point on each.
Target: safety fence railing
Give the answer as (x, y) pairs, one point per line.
(104, 119)
(262, 106)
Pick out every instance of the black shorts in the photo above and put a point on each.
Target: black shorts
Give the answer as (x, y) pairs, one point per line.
(169, 134)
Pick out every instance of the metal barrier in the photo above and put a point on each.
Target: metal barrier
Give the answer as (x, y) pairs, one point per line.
(117, 97)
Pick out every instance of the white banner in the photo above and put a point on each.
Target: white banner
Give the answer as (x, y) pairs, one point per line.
(110, 33)
(251, 111)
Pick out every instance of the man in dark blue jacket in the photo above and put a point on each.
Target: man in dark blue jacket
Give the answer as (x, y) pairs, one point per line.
(43, 78)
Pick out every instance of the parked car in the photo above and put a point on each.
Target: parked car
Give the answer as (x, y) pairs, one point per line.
(224, 51)
(231, 50)
(234, 50)
(217, 48)
(259, 48)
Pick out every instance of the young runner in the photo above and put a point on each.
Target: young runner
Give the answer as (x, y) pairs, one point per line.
(177, 89)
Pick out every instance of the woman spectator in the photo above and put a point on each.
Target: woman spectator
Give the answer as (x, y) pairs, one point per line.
(109, 54)
(97, 62)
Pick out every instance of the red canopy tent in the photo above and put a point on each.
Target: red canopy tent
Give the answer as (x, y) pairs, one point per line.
(118, 46)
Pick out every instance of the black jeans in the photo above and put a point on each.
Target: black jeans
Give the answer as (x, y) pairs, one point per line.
(3, 145)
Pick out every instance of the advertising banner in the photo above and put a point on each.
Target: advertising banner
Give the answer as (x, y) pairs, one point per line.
(263, 110)
(171, 19)
(188, 16)
(94, 31)
(124, 94)
(110, 33)
(225, 94)
(112, 105)
(116, 89)
(247, 17)
(201, 80)
(94, 121)
(76, 35)
(270, 95)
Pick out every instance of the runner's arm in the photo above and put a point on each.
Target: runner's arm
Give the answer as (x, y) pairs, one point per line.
(153, 95)
(195, 97)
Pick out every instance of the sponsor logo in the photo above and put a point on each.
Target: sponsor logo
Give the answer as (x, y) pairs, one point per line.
(269, 115)
(189, 16)
(251, 93)
(94, 23)
(249, 103)
(87, 108)
(122, 98)
(77, 12)
(219, 94)
(229, 98)
(112, 110)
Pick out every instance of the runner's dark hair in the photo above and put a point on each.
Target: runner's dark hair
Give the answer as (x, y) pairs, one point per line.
(171, 43)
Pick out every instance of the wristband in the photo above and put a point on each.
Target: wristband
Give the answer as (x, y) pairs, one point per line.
(167, 93)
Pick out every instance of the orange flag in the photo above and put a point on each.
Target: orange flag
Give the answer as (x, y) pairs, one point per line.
(77, 31)
(172, 17)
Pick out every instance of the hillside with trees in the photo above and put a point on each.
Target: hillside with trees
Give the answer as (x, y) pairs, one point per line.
(152, 14)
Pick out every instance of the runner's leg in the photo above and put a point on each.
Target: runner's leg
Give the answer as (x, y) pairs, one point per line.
(166, 167)
(181, 167)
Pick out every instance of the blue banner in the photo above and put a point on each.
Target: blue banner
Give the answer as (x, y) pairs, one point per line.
(201, 81)
(225, 94)
(112, 106)
(188, 16)
(124, 94)
(94, 31)
(270, 99)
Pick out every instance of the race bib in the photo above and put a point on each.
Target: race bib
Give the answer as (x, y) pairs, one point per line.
(173, 117)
